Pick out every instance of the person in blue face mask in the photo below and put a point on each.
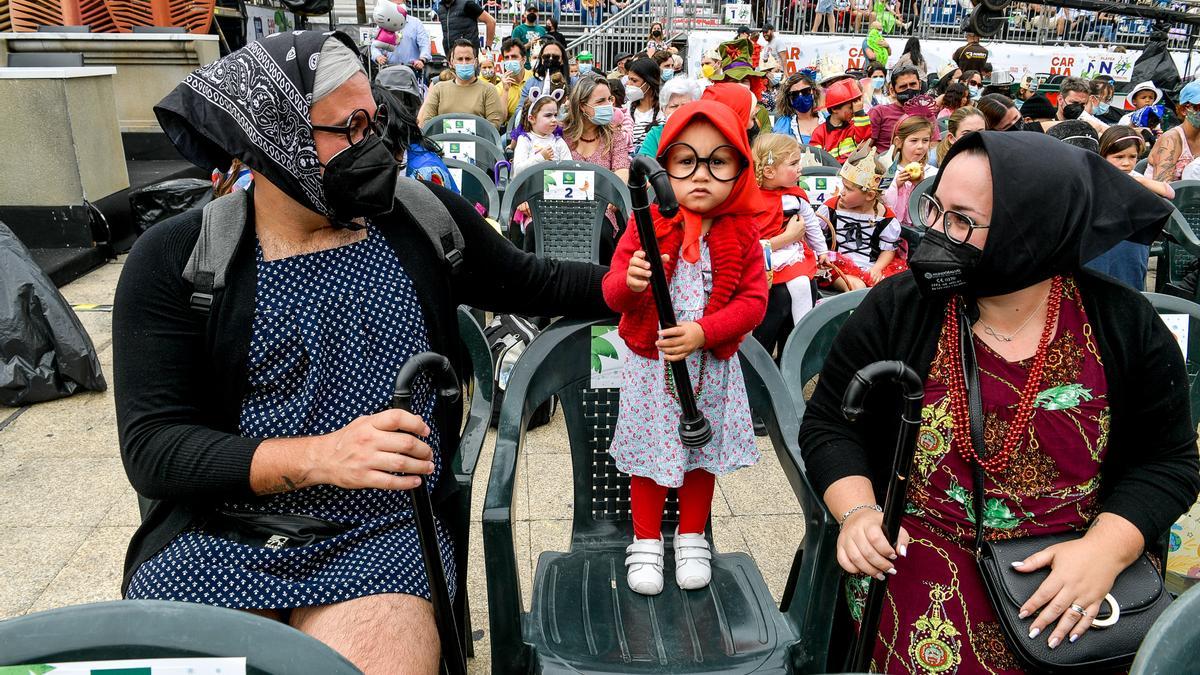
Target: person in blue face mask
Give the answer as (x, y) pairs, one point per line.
(796, 107)
(466, 93)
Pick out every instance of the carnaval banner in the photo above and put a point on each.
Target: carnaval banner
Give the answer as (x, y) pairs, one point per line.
(797, 52)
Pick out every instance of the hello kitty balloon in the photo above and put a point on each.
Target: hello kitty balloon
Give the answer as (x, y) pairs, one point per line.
(390, 18)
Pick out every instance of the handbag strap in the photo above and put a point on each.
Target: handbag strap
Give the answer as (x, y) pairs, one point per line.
(975, 418)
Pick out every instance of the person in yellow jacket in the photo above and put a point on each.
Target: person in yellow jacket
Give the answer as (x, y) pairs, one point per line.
(512, 74)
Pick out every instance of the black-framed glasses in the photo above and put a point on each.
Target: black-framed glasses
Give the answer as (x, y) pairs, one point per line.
(724, 163)
(957, 226)
(359, 125)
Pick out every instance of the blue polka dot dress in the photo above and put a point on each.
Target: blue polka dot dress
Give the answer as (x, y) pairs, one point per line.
(331, 330)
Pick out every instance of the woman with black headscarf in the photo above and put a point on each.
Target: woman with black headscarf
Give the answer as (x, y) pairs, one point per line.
(1086, 425)
(255, 417)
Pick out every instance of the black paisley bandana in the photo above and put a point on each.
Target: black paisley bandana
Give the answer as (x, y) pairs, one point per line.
(254, 105)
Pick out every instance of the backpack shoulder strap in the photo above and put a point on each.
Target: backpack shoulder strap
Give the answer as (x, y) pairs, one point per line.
(431, 215)
(220, 231)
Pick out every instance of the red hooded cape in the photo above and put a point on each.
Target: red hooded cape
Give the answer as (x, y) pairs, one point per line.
(738, 299)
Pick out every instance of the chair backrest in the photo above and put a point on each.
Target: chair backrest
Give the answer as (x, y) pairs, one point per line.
(1187, 203)
(476, 185)
(1170, 645)
(568, 201)
(463, 123)
(810, 342)
(821, 184)
(45, 60)
(1140, 167)
(944, 124)
(552, 365)
(482, 381)
(821, 154)
(1183, 318)
(158, 29)
(128, 629)
(468, 148)
(914, 199)
(64, 29)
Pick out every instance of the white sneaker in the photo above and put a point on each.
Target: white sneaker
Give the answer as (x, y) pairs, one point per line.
(692, 555)
(644, 566)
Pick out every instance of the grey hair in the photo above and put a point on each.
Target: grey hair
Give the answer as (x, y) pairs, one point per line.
(337, 64)
(678, 86)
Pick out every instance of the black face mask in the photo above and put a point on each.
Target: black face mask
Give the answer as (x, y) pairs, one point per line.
(907, 95)
(360, 182)
(1019, 125)
(1072, 111)
(656, 33)
(940, 266)
(549, 62)
(531, 18)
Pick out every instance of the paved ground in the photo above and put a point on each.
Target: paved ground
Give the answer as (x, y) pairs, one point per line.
(67, 510)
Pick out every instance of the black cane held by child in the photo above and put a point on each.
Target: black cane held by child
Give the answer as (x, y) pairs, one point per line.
(694, 429)
(445, 384)
(913, 393)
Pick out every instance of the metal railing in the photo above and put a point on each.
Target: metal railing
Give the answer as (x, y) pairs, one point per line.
(625, 32)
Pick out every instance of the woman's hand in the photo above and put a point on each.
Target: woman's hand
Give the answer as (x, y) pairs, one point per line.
(637, 277)
(368, 452)
(1081, 573)
(863, 549)
(678, 342)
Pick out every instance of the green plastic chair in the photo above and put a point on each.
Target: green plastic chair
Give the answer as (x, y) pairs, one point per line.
(823, 170)
(1169, 304)
(821, 154)
(806, 348)
(1170, 646)
(450, 124)
(482, 152)
(1181, 243)
(476, 186)
(566, 229)
(914, 199)
(146, 629)
(584, 618)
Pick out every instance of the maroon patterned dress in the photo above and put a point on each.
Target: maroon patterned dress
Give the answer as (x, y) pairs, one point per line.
(937, 617)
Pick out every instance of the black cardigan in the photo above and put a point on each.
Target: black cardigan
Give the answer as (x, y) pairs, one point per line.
(1151, 473)
(180, 379)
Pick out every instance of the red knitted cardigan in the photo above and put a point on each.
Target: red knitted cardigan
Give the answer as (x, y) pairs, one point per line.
(735, 307)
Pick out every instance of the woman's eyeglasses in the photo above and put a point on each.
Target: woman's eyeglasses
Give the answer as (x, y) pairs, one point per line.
(956, 225)
(359, 125)
(724, 163)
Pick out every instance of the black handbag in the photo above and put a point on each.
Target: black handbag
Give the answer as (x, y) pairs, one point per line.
(271, 530)
(1136, 600)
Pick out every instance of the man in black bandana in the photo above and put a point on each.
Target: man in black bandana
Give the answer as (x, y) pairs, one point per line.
(271, 408)
(906, 89)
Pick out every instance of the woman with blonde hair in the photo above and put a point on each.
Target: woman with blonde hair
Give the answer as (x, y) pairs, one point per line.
(593, 138)
(962, 122)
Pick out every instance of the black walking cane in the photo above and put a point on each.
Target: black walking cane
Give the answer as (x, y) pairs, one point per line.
(445, 383)
(913, 392)
(694, 430)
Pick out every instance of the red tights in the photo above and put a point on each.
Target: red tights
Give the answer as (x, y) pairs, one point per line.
(695, 503)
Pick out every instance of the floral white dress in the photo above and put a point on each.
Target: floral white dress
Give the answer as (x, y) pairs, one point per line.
(646, 440)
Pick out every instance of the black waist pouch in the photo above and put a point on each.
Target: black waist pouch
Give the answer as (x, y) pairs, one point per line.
(271, 530)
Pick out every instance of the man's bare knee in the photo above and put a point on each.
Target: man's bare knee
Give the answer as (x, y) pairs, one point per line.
(390, 633)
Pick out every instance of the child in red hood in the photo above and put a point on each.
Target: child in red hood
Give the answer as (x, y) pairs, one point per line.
(715, 268)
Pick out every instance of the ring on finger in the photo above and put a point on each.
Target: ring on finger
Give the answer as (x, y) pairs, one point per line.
(1079, 610)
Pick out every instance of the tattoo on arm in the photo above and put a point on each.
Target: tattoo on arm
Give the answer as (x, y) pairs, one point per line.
(285, 484)
(1163, 157)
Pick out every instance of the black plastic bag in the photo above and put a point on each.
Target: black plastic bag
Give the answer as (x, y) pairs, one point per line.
(45, 353)
(309, 7)
(157, 202)
(1156, 65)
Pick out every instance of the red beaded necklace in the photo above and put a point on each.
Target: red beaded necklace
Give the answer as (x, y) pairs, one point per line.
(957, 387)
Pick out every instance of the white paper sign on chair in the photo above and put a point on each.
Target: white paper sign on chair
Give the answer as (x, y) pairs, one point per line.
(460, 150)
(565, 185)
(1178, 325)
(820, 188)
(458, 127)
